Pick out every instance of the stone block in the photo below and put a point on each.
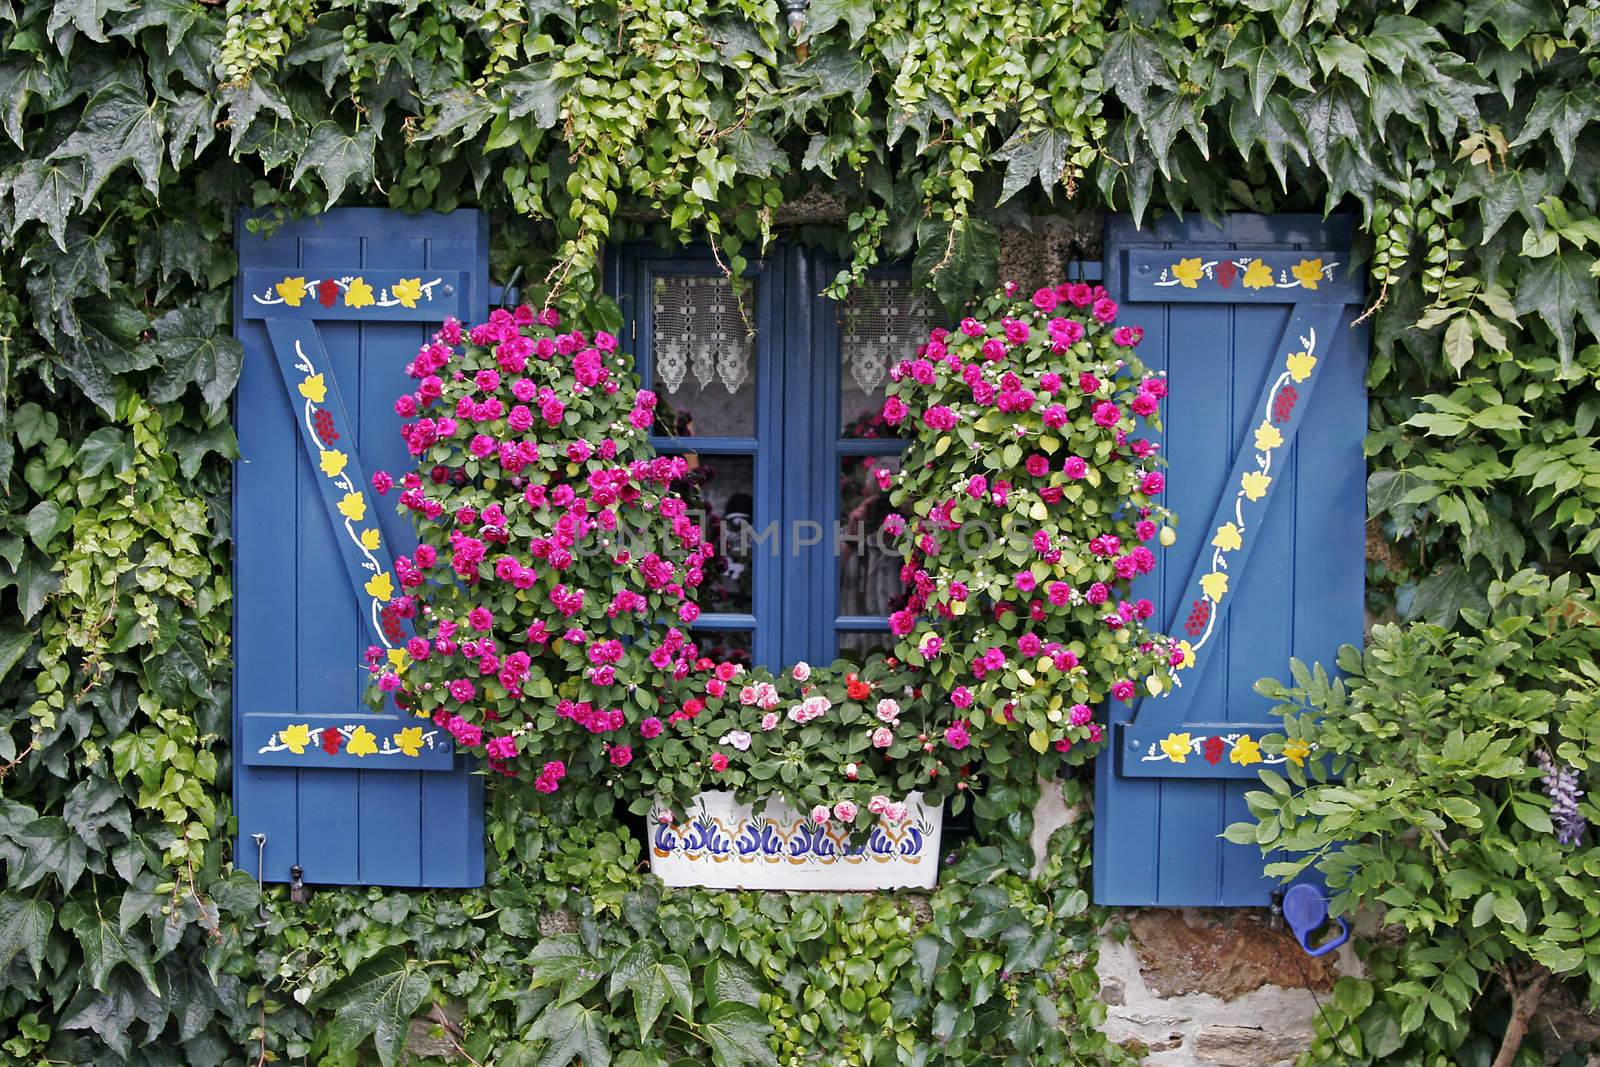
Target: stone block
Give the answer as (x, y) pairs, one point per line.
(1223, 953)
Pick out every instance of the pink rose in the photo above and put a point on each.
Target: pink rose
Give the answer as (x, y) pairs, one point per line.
(845, 811)
(956, 735)
(819, 814)
(882, 737)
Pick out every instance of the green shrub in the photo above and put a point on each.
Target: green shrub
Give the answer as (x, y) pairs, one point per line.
(1430, 798)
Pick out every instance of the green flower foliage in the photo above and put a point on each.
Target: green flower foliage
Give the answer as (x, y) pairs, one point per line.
(1463, 132)
(1430, 799)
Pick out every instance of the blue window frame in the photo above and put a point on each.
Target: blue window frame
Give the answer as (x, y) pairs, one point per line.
(782, 431)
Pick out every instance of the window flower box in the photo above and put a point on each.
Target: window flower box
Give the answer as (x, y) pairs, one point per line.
(722, 844)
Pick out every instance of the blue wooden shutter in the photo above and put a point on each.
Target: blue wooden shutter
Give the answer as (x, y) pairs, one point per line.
(1253, 323)
(330, 310)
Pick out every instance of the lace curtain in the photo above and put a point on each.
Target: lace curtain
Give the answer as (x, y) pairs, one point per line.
(883, 320)
(699, 332)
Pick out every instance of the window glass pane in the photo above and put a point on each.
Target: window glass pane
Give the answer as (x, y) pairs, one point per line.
(703, 355)
(881, 322)
(857, 647)
(731, 645)
(868, 555)
(720, 492)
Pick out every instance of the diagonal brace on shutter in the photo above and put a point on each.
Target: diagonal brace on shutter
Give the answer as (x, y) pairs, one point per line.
(1162, 741)
(320, 412)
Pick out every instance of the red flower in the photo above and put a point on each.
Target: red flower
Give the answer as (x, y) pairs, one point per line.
(856, 688)
(328, 293)
(1213, 750)
(332, 739)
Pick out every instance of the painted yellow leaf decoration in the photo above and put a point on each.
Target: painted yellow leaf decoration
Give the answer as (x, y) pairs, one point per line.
(1228, 538)
(1245, 751)
(370, 540)
(362, 742)
(293, 290)
(1254, 484)
(332, 462)
(358, 295)
(1267, 437)
(408, 291)
(1296, 751)
(313, 388)
(1301, 364)
(1187, 271)
(1308, 272)
(297, 737)
(1215, 586)
(1257, 275)
(399, 659)
(1188, 655)
(1176, 746)
(409, 740)
(353, 507)
(380, 587)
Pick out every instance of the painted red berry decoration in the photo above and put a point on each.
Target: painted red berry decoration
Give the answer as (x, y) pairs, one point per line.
(322, 421)
(1212, 750)
(1199, 614)
(1283, 407)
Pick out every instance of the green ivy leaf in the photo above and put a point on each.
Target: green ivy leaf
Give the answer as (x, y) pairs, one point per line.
(1513, 20)
(727, 979)
(105, 946)
(824, 15)
(191, 348)
(377, 1001)
(738, 1035)
(1563, 113)
(1561, 288)
(1440, 597)
(1263, 63)
(119, 125)
(338, 157)
(45, 191)
(535, 90)
(81, 16)
(1033, 153)
(24, 927)
(572, 1031)
(1132, 65)
(957, 259)
(563, 961)
(652, 982)
(21, 80)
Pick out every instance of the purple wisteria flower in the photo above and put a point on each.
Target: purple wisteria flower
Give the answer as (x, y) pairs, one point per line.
(1561, 786)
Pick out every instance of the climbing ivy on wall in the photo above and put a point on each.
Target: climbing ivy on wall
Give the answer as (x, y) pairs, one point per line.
(1464, 135)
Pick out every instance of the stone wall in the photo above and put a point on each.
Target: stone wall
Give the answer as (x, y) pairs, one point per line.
(1190, 986)
(1196, 986)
